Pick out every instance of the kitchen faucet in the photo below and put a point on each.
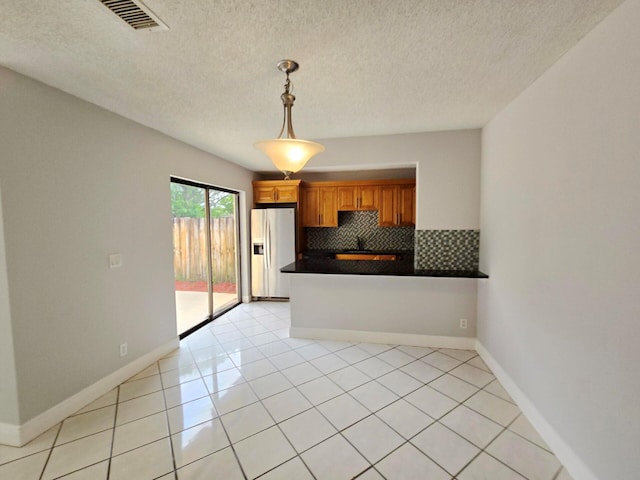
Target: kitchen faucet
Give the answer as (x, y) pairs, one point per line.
(360, 243)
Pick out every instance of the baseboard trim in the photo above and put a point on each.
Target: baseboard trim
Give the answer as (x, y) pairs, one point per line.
(19, 435)
(466, 343)
(571, 461)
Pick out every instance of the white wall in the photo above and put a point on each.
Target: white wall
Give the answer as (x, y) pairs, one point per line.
(447, 163)
(79, 183)
(560, 240)
(412, 306)
(8, 386)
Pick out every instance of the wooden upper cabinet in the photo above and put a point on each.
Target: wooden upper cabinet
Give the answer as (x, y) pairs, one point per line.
(397, 206)
(368, 197)
(319, 207)
(407, 205)
(287, 194)
(387, 212)
(358, 197)
(347, 198)
(393, 199)
(276, 191)
(310, 206)
(328, 210)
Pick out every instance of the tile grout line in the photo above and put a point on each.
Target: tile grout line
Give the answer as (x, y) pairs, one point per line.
(276, 424)
(113, 434)
(71, 441)
(349, 364)
(480, 450)
(525, 438)
(458, 404)
(53, 445)
(224, 428)
(373, 413)
(308, 361)
(166, 415)
(557, 475)
(437, 420)
(484, 450)
(326, 375)
(396, 368)
(218, 416)
(340, 432)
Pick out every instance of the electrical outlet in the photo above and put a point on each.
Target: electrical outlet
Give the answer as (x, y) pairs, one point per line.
(115, 260)
(123, 349)
(463, 323)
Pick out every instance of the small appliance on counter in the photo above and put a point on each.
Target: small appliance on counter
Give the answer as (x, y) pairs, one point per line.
(273, 245)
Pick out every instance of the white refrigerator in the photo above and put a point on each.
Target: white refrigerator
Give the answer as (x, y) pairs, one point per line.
(273, 245)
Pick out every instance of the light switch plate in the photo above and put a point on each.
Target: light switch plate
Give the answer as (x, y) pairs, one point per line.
(115, 260)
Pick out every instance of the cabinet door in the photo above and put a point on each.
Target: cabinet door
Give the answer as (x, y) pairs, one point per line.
(264, 194)
(287, 194)
(319, 207)
(352, 197)
(388, 208)
(328, 206)
(368, 197)
(406, 205)
(276, 191)
(310, 206)
(347, 198)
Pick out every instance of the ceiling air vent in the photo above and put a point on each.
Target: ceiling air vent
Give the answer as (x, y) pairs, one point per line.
(136, 14)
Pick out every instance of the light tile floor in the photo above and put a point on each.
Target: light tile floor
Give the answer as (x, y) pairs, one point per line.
(192, 307)
(241, 400)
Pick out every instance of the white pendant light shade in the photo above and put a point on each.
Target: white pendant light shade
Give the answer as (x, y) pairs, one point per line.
(289, 154)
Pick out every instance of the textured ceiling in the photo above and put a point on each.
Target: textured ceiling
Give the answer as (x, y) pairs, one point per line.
(368, 67)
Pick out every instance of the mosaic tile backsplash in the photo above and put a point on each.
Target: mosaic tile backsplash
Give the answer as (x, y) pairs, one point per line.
(447, 249)
(352, 225)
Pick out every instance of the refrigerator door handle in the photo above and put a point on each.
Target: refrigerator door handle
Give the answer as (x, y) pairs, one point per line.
(267, 245)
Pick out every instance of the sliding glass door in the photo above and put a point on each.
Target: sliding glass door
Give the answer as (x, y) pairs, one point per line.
(206, 249)
(223, 227)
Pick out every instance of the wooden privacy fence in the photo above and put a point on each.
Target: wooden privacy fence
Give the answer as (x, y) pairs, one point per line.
(190, 249)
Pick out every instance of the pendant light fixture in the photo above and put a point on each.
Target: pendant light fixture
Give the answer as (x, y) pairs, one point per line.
(288, 154)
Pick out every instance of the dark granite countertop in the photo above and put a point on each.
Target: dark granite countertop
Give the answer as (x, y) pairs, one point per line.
(404, 268)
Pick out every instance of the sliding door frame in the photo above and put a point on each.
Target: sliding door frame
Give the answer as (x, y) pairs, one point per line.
(212, 316)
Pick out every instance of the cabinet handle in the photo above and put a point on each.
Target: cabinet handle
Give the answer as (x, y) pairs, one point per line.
(320, 219)
(275, 195)
(358, 203)
(399, 218)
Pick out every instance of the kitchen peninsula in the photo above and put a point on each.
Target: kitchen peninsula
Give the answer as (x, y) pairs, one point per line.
(365, 273)
(383, 302)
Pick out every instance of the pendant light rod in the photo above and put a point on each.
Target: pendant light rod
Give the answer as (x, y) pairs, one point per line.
(287, 67)
(288, 154)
